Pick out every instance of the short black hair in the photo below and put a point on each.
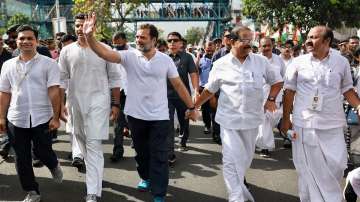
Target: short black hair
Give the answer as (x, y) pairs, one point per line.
(161, 42)
(68, 37)
(80, 16)
(154, 33)
(217, 40)
(12, 28)
(60, 34)
(289, 42)
(357, 52)
(119, 35)
(177, 34)
(354, 37)
(23, 28)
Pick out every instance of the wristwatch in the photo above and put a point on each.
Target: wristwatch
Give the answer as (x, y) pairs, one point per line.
(272, 99)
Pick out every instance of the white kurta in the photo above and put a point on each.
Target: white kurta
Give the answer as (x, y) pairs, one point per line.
(319, 152)
(88, 79)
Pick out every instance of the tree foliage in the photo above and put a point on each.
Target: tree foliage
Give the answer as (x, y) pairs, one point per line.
(304, 13)
(18, 18)
(107, 11)
(194, 34)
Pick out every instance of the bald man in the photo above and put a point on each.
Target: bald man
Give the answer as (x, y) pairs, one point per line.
(318, 79)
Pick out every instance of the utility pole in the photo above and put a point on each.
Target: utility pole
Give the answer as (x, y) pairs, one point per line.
(57, 8)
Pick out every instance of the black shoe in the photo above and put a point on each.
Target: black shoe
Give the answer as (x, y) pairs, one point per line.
(217, 139)
(287, 144)
(265, 153)
(172, 160)
(4, 153)
(206, 130)
(78, 162)
(349, 193)
(116, 157)
(247, 185)
(37, 163)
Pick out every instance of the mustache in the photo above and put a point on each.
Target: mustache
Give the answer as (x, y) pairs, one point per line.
(309, 44)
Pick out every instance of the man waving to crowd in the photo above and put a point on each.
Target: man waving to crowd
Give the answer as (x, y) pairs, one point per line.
(146, 104)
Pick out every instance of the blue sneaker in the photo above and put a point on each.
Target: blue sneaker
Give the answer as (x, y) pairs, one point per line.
(144, 185)
(159, 199)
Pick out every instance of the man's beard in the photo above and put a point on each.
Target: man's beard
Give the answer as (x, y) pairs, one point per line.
(144, 48)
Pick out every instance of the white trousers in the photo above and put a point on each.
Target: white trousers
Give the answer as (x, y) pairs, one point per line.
(94, 161)
(75, 148)
(238, 147)
(265, 138)
(320, 158)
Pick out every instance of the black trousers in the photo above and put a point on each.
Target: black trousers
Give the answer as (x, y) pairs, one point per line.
(208, 114)
(119, 129)
(181, 108)
(150, 143)
(20, 139)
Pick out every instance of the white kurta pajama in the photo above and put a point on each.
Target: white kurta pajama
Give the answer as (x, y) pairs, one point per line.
(265, 138)
(88, 79)
(319, 151)
(239, 113)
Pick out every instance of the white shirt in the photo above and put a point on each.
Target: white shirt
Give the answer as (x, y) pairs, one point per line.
(278, 61)
(286, 62)
(30, 102)
(147, 84)
(123, 77)
(240, 103)
(331, 78)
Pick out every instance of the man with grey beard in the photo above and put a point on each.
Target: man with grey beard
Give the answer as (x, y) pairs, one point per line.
(146, 104)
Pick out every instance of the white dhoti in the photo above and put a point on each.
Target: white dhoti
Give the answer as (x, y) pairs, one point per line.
(238, 147)
(265, 138)
(320, 158)
(354, 179)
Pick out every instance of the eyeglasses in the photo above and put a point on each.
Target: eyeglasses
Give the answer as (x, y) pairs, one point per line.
(173, 40)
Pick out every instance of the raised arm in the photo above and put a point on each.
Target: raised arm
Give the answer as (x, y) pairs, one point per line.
(101, 50)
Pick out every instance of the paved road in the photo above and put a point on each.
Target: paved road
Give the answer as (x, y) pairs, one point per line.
(196, 176)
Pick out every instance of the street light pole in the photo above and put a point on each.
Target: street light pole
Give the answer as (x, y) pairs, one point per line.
(57, 8)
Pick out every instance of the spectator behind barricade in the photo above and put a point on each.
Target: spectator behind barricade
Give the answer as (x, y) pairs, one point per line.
(162, 46)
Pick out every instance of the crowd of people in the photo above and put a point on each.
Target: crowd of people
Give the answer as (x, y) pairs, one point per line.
(243, 92)
(180, 11)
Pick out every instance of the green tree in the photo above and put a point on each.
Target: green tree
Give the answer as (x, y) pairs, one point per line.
(304, 13)
(107, 11)
(18, 18)
(194, 35)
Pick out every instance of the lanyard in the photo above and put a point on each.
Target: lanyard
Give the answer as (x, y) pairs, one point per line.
(23, 75)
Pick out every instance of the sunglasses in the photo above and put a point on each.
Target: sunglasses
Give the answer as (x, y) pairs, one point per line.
(173, 40)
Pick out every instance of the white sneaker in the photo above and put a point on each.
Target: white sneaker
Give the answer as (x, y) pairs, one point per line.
(32, 196)
(91, 198)
(57, 174)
